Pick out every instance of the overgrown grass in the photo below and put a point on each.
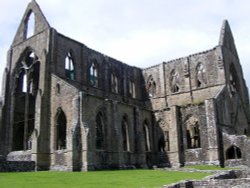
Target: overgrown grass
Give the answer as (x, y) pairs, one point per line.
(209, 167)
(104, 179)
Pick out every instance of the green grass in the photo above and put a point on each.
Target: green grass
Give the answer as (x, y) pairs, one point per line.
(209, 167)
(104, 179)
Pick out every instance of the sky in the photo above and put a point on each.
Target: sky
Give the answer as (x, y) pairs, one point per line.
(140, 33)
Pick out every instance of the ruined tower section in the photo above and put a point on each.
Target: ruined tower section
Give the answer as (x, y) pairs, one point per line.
(25, 91)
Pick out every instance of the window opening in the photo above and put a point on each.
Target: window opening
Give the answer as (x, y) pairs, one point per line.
(151, 86)
(174, 82)
(93, 75)
(114, 83)
(24, 83)
(69, 67)
(200, 75)
(131, 88)
(125, 135)
(30, 25)
(61, 124)
(146, 137)
(26, 86)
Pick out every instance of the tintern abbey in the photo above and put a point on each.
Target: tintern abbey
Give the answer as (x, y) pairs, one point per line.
(68, 107)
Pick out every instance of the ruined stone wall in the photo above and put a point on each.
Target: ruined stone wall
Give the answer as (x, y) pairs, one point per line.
(100, 98)
(62, 96)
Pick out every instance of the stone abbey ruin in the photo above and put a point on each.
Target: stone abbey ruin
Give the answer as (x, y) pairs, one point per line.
(68, 107)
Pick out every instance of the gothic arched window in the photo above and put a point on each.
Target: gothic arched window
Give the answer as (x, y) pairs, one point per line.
(200, 75)
(174, 82)
(99, 141)
(132, 89)
(146, 136)
(61, 130)
(151, 86)
(30, 25)
(26, 86)
(69, 67)
(93, 72)
(125, 135)
(114, 83)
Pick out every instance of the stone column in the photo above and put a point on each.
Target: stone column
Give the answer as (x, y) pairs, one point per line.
(84, 131)
(212, 131)
(174, 133)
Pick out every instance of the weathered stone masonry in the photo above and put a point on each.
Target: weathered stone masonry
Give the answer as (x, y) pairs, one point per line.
(68, 107)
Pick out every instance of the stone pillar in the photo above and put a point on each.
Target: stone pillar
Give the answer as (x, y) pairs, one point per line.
(116, 141)
(84, 131)
(174, 133)
(212, 131)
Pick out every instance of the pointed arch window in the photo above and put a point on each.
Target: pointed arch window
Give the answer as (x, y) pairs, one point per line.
(151, 86)
(132, 89)
(114, 83)
(99, 140)
(61, 130)
(146, 136)
(200, 75)
(174, 82)
(30, 25)
(69, 67)
(93, 71)
(125, 135)
(26, 86)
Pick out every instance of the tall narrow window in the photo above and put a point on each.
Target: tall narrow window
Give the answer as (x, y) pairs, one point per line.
(24, 84)
(174, 82)
(146, 136)
(151, 86)
(200, 75)
(61, 125)
(69, 67)
(94, 75)
(125, 135)
(114, 83)
(30, 25)
(131, 88)
(99, 131)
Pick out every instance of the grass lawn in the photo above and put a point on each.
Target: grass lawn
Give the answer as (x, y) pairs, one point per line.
(95, 179)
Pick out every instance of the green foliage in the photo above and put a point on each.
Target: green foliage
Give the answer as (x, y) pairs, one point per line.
(104, 179)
